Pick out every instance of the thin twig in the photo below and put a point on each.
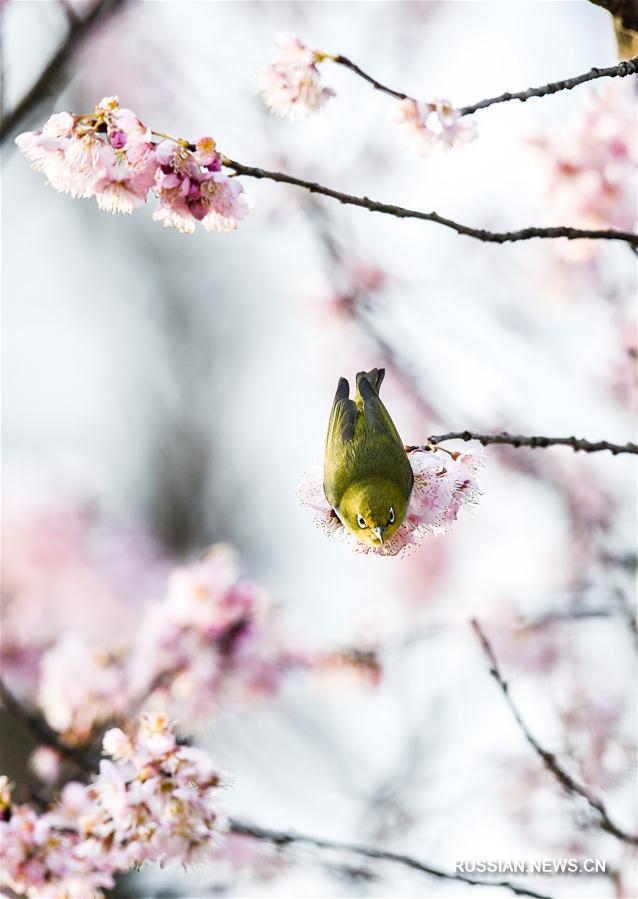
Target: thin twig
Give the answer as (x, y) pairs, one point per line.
(578, 444)
(377, 85)
(569, 784)
(401, 212)
(627, 67)
(53, 74)
(286, 838)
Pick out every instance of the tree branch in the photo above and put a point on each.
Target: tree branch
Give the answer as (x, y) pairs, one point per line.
(53, 74)
(286, 838)
(403, 213)
(569, 784)
(578, 444)
(627, 67)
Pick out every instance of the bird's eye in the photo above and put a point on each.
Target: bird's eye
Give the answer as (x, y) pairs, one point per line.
(361, 521)
(391, 516)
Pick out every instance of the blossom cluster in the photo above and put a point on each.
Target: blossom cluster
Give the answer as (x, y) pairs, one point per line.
(443, 484)
(590, 161)
(112, 156)
(154, 800)
(291, 87)
(214, 637)
(55, 556)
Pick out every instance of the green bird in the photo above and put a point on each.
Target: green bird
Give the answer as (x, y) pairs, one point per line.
(367, 476)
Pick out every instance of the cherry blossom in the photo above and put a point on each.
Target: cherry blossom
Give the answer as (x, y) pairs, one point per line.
(191, 188)
(291, 87)
(112, 156)
(590, 160)
(428, 126)
(157, 801)
(443, 484)
(213, 639)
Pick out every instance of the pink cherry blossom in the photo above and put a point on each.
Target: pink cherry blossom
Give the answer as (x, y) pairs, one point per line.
(45, 762)
(428, 126)
(590, 159)
(291, 87)
(191, 188)
(110, 155)
(81, 687)
(159, 804)
(213, 639)
(443, 484)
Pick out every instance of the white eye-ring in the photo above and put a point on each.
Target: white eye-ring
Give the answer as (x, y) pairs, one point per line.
(361, 521)
(391, 516)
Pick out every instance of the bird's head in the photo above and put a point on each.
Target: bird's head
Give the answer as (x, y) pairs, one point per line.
(373, 510)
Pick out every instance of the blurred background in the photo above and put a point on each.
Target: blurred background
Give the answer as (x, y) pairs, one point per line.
(163, 392)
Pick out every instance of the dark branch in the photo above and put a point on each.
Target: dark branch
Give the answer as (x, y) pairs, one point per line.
(569, 784)
(348, 64)
(627, 67)
(403, 213)
(578, 444)
(54, 73)
(286, 838)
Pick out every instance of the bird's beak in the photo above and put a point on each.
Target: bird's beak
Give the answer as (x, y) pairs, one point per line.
(379, 531)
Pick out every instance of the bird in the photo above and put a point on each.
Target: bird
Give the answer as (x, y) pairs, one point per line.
(367, 476)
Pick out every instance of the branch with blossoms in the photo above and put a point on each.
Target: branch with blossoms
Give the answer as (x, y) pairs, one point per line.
(291, 87)
(567, 782)
(153, 800)
(112, 156)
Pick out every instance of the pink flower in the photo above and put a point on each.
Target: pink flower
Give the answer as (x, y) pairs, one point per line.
(443, 484)
(45, 762)
(116, 744)
(110, 155)
(591, 161)
(428, 126)
(291, 87)
(81, 687)
(213, 639)
(152, 807)
(191, 189)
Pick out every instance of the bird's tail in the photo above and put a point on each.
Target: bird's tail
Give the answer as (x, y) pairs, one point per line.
(374, 377)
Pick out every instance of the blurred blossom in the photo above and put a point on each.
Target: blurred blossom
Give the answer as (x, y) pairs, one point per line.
(428, 126)
(81, 687)
(291, 87)
(591, 167)
(214, 638)
(110, 155)
(443, 484)
(522, 648)
(52, 562)
(45, 762)
(593, 728)
(160, 803)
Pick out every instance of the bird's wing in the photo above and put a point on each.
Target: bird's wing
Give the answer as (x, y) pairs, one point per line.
(376, 414)
(341, 427)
